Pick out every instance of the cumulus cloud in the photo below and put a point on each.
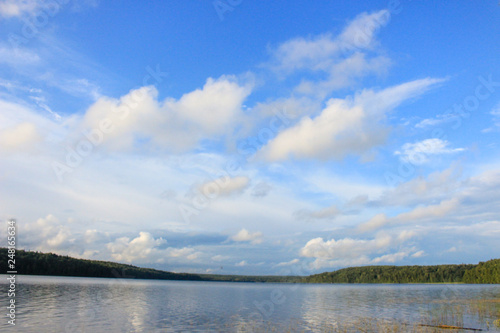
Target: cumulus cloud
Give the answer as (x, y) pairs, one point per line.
(350, 251)
(147, 249)
(175, 125)
(343, 248)
(345, 126)
(49, 234)
(419, 152)
(245, 236)
(185, 252)
(125, 249)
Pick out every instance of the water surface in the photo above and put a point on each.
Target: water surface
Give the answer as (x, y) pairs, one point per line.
(70, 304)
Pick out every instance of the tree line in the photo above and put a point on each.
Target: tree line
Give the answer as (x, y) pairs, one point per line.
(484, 272)
(38, 263)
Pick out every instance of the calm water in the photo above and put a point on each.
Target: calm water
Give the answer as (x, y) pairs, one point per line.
(63, 304)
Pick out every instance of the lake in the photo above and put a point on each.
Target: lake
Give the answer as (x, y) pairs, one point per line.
(70, 304)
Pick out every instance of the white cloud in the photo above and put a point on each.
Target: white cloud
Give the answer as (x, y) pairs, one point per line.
(15, 8)
(418, 214)
(436, 186)
(59, 239)
(17, 56)
(418, 254)
(141, 247)
(344, 73)
(185, 252)
(27, 8)
(92, 235)
(495, 119)
(353, 252)
(423, 212)
(49, 234)
(245, 236)
(288, 263)
(340, 58)
(390, 258)
(318, 52)
(242, 263)
(346, 248)
(145, 248)
(170, 124)
(290, 107)
(348, 126)
(438, 120)
(219, 257)
(419, 153)
(22, 137)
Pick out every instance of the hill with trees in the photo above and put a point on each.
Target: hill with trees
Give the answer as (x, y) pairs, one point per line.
(394, 274)
(37, 263)
(484, 272)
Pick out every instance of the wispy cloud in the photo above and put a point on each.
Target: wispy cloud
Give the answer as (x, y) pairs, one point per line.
(495, 113)
(17, 8)
(342, 58)
(420, 152)
(326, 213)
(418, 214)
(346, 126)
(18, 56)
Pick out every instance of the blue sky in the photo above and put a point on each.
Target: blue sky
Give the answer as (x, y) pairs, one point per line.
(252, 137)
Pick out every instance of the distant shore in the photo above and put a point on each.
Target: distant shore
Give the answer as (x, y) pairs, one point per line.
(37, 263)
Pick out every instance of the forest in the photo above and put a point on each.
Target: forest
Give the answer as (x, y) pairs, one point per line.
(37, 263)
(484, 272)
